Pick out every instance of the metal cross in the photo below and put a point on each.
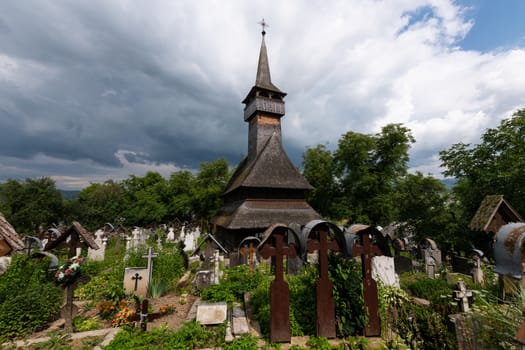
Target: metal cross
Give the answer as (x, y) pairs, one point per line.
(136, 278)
(263, 25)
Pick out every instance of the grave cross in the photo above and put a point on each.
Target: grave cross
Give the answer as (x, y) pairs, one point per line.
(279, 292)
(142, 316)
(136, 278)
(150, 256)
(250, 252)
(324, 297)
(373, 328)
(461, 294)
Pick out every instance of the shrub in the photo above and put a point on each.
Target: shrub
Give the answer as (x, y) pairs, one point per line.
(28, 298)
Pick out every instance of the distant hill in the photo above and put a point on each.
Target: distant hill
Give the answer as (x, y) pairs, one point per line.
(69, 194)
(449, 183)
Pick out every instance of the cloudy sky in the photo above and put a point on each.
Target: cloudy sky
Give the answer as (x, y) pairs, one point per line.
(92, 90)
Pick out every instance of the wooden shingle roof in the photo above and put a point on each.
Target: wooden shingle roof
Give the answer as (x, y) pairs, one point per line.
(8, 233)
(490, 207)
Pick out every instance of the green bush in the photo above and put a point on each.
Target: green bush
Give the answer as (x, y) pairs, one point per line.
(28, 297)
(190, 336)
(302, 301)
(106, 286)
(346, 275)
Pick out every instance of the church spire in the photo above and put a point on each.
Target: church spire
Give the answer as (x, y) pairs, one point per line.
(264, 79)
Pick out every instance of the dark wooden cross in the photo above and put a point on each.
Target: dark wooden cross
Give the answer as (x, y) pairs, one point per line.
(279, 292)
(373, 328)
(142, 316)
(324, 297)
(250, 252)
(136, 278)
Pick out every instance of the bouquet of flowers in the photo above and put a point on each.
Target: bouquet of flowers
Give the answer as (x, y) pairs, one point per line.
(68, 272)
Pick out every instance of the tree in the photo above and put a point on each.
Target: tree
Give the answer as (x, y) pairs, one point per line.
(144, 196)
(31, 204)
(495, 166)
(425, 204)
(367, 166)
(180, 202)
(208, 186)
(98, 204)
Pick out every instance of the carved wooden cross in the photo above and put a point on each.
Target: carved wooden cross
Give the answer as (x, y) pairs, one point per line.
(373, 328)
(142, 316)
(324, 297)
(250, 251)
(279, 292)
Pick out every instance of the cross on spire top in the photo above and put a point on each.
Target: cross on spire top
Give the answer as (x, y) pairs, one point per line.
(263, 25)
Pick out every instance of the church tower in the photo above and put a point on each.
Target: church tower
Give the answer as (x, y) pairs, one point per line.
(266, 188)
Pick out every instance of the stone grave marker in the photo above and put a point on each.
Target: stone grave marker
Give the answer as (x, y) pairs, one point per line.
(239, 321)
(477, 272)
(274, 245)
(383, 270)
(324, 297)
(430, 266)
(365, 250)
(203, 279)
(461, 265)
(170, 238)
(136, 281)
(463, 296)
(101, 241)
(212, 313)
(403, 264)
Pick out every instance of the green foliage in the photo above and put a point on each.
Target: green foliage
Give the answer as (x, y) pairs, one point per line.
(237, 281)
(346, 276)
(495, 166)
(31, 203)
(57, 341)
(106, 286)
(190, 336)
(302, 301)
(320, 343)
(244, 342)
(28, 298)
(82, 324)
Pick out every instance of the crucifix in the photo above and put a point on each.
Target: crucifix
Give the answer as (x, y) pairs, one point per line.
(150, 256)
(250, 252)
(324, 297)
(136, 278)
(274, 246)
(366, 249)
(263, 25)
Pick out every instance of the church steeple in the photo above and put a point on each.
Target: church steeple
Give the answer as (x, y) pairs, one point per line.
(264, 105)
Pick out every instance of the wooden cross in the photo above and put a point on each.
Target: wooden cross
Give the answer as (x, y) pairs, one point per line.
(142, 316)
(279, 292)
(373, 328)
(250, 252)
(136, 278)
(324, 297)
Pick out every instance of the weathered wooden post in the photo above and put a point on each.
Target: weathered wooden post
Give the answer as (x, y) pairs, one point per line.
(366, 249)
(274, 245)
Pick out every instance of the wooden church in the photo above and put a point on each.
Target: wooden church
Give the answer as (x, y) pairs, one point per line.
(266, 188)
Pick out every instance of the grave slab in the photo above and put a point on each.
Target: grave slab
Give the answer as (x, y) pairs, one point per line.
(240, 325)
(212, 313)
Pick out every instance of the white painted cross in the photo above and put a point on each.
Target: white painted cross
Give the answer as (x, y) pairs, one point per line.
(150, 256)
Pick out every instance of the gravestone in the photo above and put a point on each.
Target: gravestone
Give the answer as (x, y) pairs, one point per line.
(101, 241)
(383, 270)
(365, 250)
(477, 272)
(430, 266)
(203, 279)
(239, 321)
(403, 264)
(212, 313)
(136, 281)
(274, 245)
(463, 296)
(170, 238)
(461, 265)
(324, 298)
